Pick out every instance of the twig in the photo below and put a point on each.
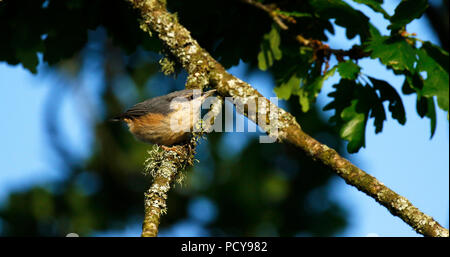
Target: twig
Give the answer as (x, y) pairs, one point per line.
(322, 51)
(272, 11)
(190, 55)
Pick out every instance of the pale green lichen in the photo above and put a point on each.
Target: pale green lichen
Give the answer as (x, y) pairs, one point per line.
(165, 166)
(167, 66)
(169, 163)
(401, 203)
(196, 80)
(144, 26)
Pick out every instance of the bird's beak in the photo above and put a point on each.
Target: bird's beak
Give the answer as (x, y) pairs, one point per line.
(208, 93)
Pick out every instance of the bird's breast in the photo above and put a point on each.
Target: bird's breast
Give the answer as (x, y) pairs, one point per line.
(159, 129)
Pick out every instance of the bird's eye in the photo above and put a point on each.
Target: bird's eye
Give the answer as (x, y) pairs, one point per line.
(190, 97)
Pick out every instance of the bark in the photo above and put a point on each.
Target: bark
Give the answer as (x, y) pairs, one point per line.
(204, 71)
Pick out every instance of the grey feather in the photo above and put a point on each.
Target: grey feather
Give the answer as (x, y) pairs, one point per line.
(160, 104)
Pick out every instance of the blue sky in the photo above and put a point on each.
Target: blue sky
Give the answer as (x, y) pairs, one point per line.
(402, 157)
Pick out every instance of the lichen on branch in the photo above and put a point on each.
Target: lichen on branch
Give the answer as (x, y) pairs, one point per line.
(164, 166)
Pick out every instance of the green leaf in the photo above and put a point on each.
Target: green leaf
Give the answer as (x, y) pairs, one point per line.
(374, 32)
(413, 83)
(295, 69)
(28, 58)
(388, 93)
(425, 104)
(294, 14)
(355, 22)
(438, 54)
(426, 108)
(437, 79)
(395, 53)
(316, 86)
(431, 114)
(353, 128)
(378, 113)
(407, 11)
(309, 92)
(354, 102)
(270, 49)
(351, 110)
(264, 59)
(375, 5)
(285, 90)
(343, 95)
(348, 70)
(304, 100)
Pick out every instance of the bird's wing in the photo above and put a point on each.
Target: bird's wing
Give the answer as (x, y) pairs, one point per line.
(160, 104)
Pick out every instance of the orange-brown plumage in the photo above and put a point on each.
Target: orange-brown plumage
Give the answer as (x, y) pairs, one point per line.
(165, 120)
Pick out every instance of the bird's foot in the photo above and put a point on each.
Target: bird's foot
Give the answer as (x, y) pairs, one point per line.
(167, 148)
(176, 148)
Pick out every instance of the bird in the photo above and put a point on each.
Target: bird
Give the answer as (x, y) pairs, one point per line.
(165, 120)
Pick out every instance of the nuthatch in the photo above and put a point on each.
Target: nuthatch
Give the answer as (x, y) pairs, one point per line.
(165, 120)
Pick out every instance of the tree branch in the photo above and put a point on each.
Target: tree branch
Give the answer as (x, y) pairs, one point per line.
(204, 70)
(155, 199)
(165, 166)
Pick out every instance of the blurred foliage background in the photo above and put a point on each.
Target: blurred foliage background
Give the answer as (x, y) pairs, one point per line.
(260, 190)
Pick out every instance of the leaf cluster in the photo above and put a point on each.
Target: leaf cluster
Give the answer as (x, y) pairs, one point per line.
(301, 70)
